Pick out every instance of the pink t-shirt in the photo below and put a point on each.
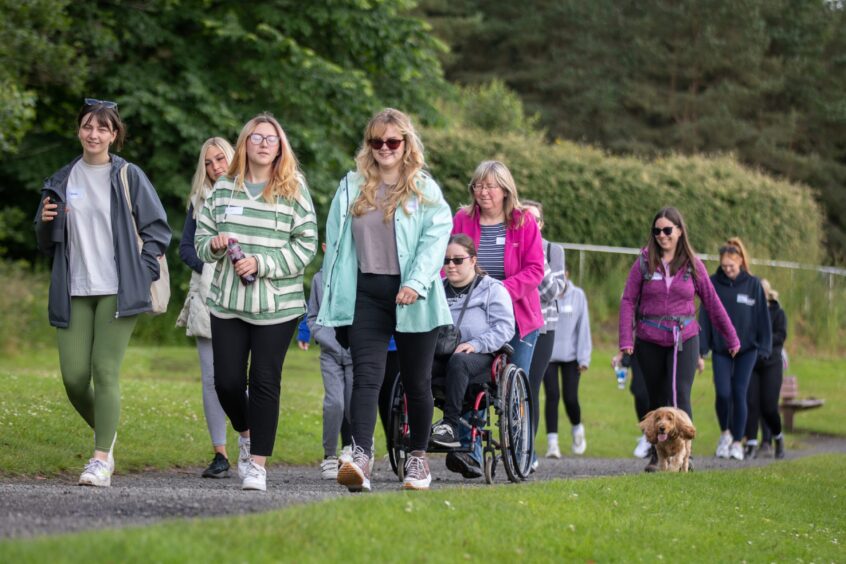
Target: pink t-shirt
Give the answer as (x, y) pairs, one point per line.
(667, 278)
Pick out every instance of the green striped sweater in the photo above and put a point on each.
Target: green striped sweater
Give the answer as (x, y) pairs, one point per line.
(281, 235)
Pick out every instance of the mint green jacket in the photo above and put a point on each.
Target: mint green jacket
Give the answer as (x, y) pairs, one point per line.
(422, 236)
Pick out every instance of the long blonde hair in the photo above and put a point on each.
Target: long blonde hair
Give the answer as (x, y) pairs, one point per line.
(499, 173)
(411, 166)
(734, 247)
(201, 184)
(285, 176)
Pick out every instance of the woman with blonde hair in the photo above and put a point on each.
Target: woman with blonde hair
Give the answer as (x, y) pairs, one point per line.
(215, 156)
(386, 235)
(743, 298)
(263, 205)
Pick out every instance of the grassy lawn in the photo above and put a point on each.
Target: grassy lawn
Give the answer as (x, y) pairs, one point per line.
(162, 422)
(784, 512)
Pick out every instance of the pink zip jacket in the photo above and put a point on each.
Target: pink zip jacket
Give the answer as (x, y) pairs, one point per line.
(656, 300)
(523, 261)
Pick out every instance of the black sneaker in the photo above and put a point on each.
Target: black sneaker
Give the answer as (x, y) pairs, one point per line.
(462, 463)
(444, 435)
(779, 448)
(653, 461)
(748, 451)
(764, 451)
(219, 467)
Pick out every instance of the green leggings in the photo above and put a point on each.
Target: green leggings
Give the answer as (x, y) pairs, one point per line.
(92, 348)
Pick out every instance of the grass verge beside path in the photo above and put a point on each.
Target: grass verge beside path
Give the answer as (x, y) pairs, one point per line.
(783, 512)
(162, 423)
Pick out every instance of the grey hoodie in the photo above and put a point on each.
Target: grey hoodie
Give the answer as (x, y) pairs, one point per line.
(488, 322)
(572, 330)
(136, 271)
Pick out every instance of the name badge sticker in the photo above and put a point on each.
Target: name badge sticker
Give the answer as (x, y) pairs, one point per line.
(657, 276)
(234, 210)
(500, 240)
(411, 205)
(75, 194)
(568, 308)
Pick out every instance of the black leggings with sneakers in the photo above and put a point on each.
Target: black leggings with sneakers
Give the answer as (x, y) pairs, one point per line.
(570, 384)
(762, 397)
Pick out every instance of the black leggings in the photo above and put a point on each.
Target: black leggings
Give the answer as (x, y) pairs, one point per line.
(391, 369)
(374, 323)
(455, 374)
(638, 390)
(570, 384)
(762, 397)
(234, 344)
(656, 362)
(537, 370)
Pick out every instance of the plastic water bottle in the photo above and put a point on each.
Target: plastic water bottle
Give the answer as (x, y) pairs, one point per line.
(236, 254)
(620, 373)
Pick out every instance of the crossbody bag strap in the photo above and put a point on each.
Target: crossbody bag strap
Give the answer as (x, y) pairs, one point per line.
(124, 180)
(466, 301)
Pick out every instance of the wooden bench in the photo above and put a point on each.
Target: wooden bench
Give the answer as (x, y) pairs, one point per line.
(791, 402)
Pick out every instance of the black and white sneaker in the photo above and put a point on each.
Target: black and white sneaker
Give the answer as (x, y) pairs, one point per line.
(218, 468)
(462, 463)
(444, 435)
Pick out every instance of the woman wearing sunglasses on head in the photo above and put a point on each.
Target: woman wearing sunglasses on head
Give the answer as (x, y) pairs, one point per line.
(658, 302)
(215, 156)
(263, 206)
(386, 235)
(100, 279)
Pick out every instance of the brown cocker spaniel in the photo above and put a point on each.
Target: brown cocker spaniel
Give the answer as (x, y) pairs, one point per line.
(671, 431)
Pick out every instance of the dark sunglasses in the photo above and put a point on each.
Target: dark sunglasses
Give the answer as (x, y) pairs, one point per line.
(665, 230)
(454, 260)
(729, 250)
(105, 103)
(393, 144)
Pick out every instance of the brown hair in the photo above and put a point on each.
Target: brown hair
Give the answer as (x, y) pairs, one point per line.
(104, 114)
(684, 251)
(734, 247)
(469, 247)
(285, 176)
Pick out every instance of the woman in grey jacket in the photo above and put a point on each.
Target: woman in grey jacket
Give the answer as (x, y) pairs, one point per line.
(100, 278)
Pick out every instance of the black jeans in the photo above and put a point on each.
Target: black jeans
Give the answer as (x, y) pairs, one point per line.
(537, 370)
(373, 324)
(638, 390)
(235, 343)
(455, 374)
(570, 384)
(656, 362)
(762, 398)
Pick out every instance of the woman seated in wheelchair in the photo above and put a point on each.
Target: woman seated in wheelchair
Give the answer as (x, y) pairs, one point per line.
(486, 324)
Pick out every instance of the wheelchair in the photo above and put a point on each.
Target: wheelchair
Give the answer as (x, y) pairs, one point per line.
(506, 395)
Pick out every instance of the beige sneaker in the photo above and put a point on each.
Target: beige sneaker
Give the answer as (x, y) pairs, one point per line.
(417, 474)
(354, 471)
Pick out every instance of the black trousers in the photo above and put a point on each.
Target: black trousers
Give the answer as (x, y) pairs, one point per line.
(373, 324)
(235, 344)
(570, 384)
(391, 369)
(638, 389)
(656, 362)
(455, 374)
(762, 396)
(537, 372)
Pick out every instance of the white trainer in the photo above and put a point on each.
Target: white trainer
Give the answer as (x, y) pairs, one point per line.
(579, 442)
(96, 473)
(244, 459)
(642, 448)
(329, 468)
(736, 451)
(111, 458)
(553, 450)
(723, 446)
(255, 478)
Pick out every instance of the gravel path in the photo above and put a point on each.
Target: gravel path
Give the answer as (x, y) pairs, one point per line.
(30, 507)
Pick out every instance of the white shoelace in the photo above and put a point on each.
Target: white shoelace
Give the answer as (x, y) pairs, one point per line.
(329, 463)
(95, 466)
(254, 471)
(443, 428)
(415, 468)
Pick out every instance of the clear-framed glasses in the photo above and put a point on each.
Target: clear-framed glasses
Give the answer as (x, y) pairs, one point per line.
(478, 187)
(257, 138)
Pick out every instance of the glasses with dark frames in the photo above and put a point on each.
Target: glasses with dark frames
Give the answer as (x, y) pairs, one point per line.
(665, 230)
(730, 250)
(105, 103)
(454, 260)
(393, 144)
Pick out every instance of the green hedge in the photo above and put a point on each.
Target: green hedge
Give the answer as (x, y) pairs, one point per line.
(591, 197)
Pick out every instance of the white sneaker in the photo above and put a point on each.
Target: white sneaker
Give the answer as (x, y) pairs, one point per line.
(255, 478)
(552, 450)
(111, 458)
(96, 473)
(329, 468)
(723, 446)
(736, 451)
(244, 459)
(579, 442)
(642, 448)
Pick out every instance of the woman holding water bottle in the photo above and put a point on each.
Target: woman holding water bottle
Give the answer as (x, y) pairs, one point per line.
(261, 215)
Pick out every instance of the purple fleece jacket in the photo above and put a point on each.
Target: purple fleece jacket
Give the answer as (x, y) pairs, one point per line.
(657, 300)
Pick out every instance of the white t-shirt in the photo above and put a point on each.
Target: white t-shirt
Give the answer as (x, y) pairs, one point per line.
(93, 271)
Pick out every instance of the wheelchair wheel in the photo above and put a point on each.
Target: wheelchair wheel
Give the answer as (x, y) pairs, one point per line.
(397, 426)
(515, 423)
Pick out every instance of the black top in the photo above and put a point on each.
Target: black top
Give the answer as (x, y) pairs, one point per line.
(187, 251)
(746, 306)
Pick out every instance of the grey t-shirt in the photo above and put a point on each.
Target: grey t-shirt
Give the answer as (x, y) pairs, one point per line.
(375, 240)
(93, 271)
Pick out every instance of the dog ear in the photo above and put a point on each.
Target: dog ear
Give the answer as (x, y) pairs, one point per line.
(685, 426)
(647, 425)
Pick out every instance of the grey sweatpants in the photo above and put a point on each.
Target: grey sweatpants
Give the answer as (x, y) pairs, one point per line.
(215, 417)
(337, 388)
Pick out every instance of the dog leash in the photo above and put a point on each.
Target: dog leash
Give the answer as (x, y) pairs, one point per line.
(679, 323)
